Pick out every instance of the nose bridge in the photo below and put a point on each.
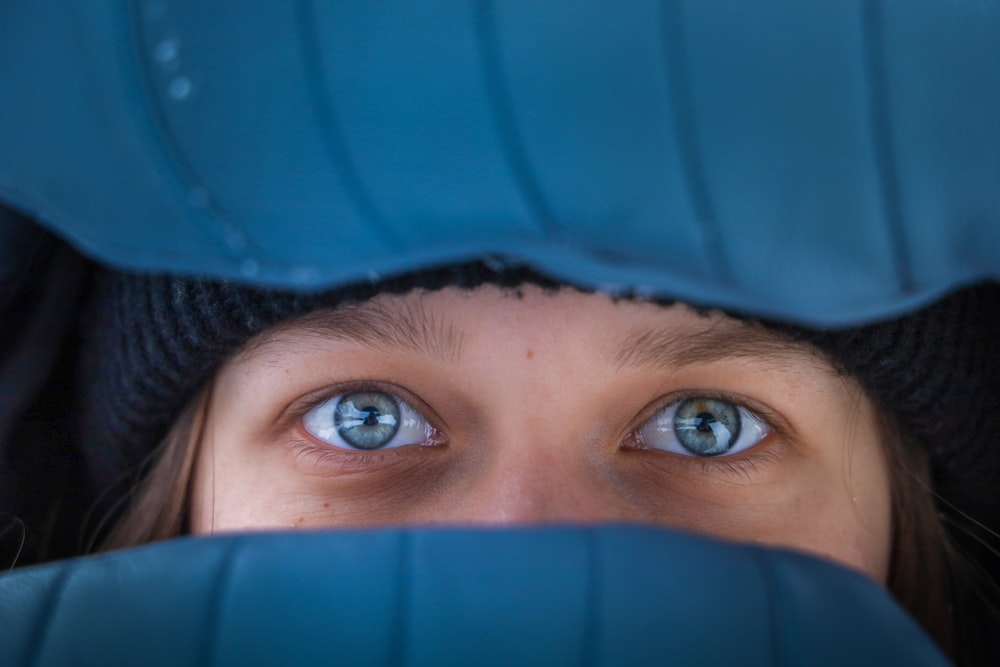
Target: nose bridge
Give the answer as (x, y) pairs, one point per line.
(537, 484)
(539, 448)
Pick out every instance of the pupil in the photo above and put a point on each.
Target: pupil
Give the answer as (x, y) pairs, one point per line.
(371, 419)
(705, 421)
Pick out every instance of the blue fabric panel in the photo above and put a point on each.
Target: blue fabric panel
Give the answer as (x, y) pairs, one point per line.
(801, 594)
(827, 162)
(588, 131)
(317, 597)
(607, 595)
(73, 152)
(112, 610)
(537, 611)
(943, 128)
(781, 203)
(232, 141)
(417, 119)
(629, 634)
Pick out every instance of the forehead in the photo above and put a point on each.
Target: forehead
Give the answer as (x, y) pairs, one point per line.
(451, 323)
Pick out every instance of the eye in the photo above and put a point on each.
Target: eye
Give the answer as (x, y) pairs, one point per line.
(703, 426)
(367, 420)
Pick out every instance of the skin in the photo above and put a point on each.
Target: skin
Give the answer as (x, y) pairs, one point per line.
(535, 399)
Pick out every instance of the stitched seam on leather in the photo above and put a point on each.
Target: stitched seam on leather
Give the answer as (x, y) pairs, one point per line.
(173, 166)
(322, 102)
(591, 643)
(216, 604)
(681, 93)
(44, 624)
(502, 106)
(775, 603)
(401, 603)
(879, 120)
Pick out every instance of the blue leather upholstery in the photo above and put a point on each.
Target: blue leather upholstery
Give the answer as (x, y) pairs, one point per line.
(608, 595)
(826, 161)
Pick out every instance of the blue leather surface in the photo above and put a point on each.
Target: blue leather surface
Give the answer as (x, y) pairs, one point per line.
(609, 595)
(828, 161)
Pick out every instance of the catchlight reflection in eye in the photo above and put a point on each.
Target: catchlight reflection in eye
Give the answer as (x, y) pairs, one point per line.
(704, 427)
(367, 420)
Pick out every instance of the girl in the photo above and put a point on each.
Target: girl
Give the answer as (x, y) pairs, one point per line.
(477, 395)
(489, 393)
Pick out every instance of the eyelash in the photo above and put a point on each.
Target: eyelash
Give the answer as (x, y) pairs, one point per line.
(762, 412)
(296, 410)
(737, 465)
(322, 455)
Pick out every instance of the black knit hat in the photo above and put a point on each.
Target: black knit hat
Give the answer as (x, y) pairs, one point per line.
(151, 341)
(154, 340)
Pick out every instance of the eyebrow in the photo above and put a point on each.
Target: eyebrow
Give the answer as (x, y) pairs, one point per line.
(668, 347)
(408, 325)
(382, 325)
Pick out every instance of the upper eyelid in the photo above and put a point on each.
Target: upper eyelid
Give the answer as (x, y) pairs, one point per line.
(296, 410)
(406, 413)
(774, 421)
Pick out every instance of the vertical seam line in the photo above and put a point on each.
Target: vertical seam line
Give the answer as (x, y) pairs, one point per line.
(334, 143)
(220, 591)
(401, 604)
(501, 103)
(207, 213)
(772, 589)
(595, 582)
(879, 119)
(43, 623)
(681, 93)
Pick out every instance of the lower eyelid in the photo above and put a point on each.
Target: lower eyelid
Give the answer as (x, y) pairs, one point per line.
(742, 466)
(411, 417)
(750, 466)
(303, 435)
(322, 458)
(772, 422)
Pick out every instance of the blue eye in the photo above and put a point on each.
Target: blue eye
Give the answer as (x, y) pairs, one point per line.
(703, 427)
(367, 420)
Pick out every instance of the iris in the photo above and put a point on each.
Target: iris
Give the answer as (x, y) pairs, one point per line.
(367, 419)
(706, 426)
(703, 426)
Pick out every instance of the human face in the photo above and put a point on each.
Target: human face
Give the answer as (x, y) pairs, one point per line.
(493, 406)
